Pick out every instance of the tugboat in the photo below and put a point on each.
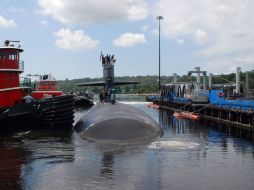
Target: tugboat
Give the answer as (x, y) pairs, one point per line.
(45, 87)
(14, 109)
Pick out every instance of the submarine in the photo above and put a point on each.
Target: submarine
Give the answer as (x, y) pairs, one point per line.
(112, 122)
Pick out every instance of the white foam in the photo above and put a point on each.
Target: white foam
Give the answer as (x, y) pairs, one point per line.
(133, 103)
(17, 135)
(175, 145)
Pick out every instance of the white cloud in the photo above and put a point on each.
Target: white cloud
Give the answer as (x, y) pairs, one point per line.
(129, 39)
(228, 64)
(68, 39)
(6, 23)
(200, 37)
(89, 11)
(247, 60)
(220, 26)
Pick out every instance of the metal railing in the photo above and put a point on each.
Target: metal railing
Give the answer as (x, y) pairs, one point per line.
(25, 82)
(21, 66)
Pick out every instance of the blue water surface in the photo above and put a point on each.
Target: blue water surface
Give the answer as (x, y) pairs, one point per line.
(191, 155)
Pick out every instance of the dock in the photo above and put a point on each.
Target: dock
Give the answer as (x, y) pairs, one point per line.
(211, 103)
(239, 121)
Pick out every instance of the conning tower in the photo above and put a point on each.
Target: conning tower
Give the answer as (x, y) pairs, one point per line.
(108, 82)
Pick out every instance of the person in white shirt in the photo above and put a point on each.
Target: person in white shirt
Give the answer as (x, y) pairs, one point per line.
(28, 98)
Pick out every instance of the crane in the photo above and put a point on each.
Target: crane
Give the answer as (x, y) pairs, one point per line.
(198, 76)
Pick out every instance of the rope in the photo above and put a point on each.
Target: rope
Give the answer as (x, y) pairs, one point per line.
(200, 108)
(223, 79)
(181, 107)
(206, 105)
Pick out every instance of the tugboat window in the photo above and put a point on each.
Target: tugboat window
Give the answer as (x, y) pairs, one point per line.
(3, 56)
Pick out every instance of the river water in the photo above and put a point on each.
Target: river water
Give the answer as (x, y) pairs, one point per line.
(190, 156)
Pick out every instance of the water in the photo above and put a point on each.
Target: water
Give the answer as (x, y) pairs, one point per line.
(189, 156)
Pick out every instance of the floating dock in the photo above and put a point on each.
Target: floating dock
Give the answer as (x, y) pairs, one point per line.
(213, 105)
(237, 119)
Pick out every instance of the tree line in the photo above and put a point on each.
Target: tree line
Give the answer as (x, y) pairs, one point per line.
(148, 84)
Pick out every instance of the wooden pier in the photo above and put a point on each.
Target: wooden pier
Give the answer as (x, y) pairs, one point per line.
(235, 119)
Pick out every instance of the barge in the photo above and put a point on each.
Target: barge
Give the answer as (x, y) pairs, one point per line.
(214, 104)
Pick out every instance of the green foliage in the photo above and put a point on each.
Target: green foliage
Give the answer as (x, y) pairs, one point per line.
(148, 84)
(223, 78)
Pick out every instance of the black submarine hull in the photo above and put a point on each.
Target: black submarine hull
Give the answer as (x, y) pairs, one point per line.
(118, 123)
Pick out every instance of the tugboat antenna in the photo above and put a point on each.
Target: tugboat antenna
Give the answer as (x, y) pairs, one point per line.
(35, 75)
(7, 42)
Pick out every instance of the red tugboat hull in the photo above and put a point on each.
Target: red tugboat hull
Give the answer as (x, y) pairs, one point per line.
(44, 94)
(46, 87)
(11, 97)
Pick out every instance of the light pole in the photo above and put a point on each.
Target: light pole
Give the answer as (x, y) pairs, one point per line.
(159, 18)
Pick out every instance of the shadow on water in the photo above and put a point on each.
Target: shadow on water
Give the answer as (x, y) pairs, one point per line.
(10, 167)
(184, 134)
(19, 152)
(107, 163)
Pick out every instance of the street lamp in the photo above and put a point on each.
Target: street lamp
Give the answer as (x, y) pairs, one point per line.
(159, 18)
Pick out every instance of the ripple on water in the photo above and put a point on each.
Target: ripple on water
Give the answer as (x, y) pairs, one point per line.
(175, 145)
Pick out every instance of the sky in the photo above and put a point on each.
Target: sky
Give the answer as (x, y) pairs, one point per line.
(66, 37)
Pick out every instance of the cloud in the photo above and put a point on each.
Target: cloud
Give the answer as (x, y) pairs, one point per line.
(221, 27)
(6, 23)
(129, 39)
(94, 11)
(228, 64)
(68, 39)
(200, 37)
(246, 60)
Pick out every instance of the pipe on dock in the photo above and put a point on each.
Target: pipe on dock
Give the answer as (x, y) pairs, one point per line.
(175, 77)
(198, 76)
(238, 69)
(210, 80)
(247, 84)
(204, 82)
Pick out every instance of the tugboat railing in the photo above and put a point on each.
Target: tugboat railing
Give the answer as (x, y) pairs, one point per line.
(25, 82)
(21, 66)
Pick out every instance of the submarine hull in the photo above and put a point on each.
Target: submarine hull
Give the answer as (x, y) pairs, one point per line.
(118, 123)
